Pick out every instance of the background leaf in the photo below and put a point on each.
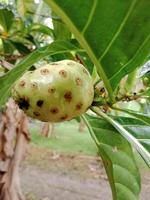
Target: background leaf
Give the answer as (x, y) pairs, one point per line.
(21, 47)
(7, 46)
(6, 19)
(24, 6)
(115, 34)
(118, 159)
(61, 32)
(37, 27)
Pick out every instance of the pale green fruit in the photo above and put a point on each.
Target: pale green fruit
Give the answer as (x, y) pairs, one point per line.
(55, 92)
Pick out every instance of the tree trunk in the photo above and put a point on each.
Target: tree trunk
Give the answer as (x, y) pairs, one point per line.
(47, 129)
(14, 138)
(81, 126)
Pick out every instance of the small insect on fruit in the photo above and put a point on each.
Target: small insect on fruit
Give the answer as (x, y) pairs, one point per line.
(55, 92)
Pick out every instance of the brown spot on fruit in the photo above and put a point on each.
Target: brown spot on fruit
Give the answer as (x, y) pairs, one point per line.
(23, 103)
(37, 114)
(79, 81)
(71, 64)
(22, 83)
(64, 117)
(79, 106)
(85, 71)
(63, 73)
(68, 96)
(51, 90)
(34, 85)
(54, 110)
(39, 103)
(54, 63)
(44, 71)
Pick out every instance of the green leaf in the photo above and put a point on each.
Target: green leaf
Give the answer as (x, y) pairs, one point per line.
(115, 34)
(142, 117)
(146, 79)
(139, 129)
(20, 47)
(40, 28)
(146, 93)
(127, 135)
(62, 56)
(7, 46)
(6, 19)
(54, 48)
(117, 157)
(146, 143)
(61, 32)
(24, 6)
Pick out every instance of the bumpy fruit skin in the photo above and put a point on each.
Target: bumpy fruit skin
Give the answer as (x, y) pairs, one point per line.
(55, 92)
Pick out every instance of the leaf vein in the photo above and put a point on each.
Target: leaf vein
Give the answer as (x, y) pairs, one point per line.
(126, 188)
(134, 56)
(90, 16)
(119, 29)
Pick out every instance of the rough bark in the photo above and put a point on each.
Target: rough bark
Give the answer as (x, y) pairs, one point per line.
(14, 137)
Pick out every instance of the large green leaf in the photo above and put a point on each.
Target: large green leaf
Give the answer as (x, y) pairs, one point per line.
(126, 134)
(54, 48)
(115, 34)
(117, 157)
(138, 128)
(141, 116)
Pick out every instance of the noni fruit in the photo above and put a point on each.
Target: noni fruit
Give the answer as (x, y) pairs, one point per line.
(55, 92)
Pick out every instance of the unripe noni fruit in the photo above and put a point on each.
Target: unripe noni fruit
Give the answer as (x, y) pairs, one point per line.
(55, 92)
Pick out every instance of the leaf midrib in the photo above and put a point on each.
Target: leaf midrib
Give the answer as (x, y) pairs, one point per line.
(114, 192)
(90, 17)
(84, 43)
(129, 61)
